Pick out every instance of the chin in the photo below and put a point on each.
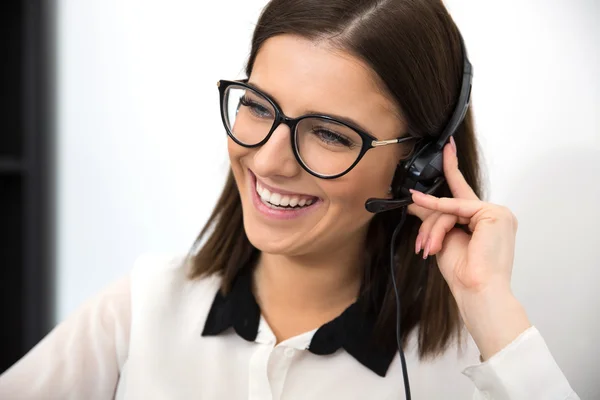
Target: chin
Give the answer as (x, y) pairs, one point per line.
(274, 241)
(277, 247)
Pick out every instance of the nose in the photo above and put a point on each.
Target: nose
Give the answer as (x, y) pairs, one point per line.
(275, 157)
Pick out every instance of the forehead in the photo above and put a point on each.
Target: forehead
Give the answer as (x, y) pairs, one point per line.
(305, 75)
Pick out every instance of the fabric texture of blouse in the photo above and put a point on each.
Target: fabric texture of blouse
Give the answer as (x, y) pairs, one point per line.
(156, 334)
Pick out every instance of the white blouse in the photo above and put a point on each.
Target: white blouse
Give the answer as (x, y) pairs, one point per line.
(158, 335)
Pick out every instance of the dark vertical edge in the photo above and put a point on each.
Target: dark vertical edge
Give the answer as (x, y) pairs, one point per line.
(38, 86)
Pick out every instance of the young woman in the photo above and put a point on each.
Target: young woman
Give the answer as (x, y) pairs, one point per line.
(288, 292)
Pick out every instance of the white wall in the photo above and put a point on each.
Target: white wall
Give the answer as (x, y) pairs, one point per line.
(141, 149)
(142, 156)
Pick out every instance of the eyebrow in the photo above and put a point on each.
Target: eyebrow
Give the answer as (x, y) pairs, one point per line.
(340, 118)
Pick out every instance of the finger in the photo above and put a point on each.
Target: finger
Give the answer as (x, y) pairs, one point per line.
(421, 241)
(420, 212)
(456, 180)
(463, 208)
(452, 252)
(444, 224)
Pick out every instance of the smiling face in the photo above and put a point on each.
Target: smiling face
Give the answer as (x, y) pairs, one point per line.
(305, 77)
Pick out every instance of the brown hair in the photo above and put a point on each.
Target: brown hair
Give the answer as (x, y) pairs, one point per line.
(414, 47)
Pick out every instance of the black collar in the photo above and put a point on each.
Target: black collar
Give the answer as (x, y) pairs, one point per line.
(351, 330)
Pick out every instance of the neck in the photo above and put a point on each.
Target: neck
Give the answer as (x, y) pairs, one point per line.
(300, 293)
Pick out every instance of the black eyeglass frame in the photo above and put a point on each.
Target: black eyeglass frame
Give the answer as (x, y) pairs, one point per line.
(368, 141)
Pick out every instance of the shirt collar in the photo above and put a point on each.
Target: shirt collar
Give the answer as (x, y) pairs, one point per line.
(352, 330)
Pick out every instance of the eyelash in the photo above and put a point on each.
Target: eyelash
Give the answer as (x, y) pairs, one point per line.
(249, 103)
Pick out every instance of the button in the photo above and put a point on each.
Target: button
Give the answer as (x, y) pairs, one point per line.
(289, 352)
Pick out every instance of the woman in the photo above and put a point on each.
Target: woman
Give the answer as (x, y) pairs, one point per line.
(287, 294)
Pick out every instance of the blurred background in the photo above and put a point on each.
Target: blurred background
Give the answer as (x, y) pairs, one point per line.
(112, 146)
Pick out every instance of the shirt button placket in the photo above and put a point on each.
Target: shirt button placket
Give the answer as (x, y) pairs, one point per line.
(258, 380)
(281, 360)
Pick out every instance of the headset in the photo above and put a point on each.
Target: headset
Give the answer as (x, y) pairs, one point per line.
(424, 172)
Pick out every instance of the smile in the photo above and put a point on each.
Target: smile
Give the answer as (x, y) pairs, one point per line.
(280, 204)
(280, 200)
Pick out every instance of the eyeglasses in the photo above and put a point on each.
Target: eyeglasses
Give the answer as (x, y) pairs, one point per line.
(324, 146)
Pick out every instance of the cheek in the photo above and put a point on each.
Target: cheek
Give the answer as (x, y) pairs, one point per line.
(370, 178)
(374, 175)
(350, 193)
(235, 150)
(236, 156)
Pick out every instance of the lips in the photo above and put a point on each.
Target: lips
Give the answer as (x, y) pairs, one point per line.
(279, 204)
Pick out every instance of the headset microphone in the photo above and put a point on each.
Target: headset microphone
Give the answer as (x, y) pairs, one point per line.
(424, 171)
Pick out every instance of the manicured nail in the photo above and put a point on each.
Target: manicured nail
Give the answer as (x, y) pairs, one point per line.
(415, 192)
(418, 244)
(453, 143)
(427, 246)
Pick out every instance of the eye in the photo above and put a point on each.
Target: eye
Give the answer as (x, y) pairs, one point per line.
(256, 108)
(332, 138)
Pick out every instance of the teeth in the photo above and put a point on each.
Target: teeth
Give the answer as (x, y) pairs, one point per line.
(275, 198)
(265, 194)
(278, 199)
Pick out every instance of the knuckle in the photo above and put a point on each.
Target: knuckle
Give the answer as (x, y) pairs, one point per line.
(451, 222)
(426, 225)
(506, 214)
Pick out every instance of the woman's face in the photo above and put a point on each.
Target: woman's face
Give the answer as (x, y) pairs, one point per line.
(307, 77)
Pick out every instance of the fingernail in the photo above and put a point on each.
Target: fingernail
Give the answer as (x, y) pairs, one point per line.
(453, 143)
(418, 244)
(427, 246)
(413, 191)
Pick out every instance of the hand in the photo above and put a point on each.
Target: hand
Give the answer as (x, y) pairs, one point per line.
(476, 266)
(473, 262)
